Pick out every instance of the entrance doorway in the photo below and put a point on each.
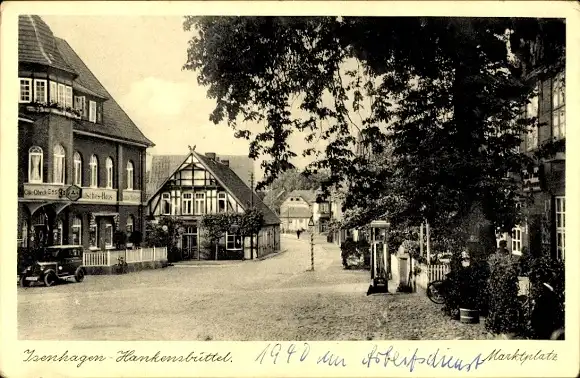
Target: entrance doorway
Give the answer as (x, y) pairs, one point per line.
(189, 248)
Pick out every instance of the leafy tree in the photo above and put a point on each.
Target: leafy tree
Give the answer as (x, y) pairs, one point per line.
(436, 99)
(165, 233)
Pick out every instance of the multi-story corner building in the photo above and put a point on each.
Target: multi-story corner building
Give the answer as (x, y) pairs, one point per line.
(544, 230)
(73, 135)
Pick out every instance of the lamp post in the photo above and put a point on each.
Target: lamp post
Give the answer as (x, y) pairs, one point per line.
(311, 226)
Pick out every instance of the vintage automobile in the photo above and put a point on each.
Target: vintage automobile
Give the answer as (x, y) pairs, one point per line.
(53, 264)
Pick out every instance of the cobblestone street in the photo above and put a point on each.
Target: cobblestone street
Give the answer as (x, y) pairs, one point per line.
(273, 299)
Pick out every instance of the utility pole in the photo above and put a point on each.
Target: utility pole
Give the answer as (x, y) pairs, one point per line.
(311, 226)
(251, 207)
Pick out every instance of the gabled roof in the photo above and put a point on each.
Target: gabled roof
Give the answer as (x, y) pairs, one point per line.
(165, 166)
(241, 164)
(162, 168)
(307, 195)
(232, 182)
(116, 122)
(37, 44)
(296, 212)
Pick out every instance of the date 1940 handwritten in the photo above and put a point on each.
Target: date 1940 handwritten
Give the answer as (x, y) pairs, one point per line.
(293, 353)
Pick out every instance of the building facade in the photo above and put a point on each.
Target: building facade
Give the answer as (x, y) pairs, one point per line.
(190, 186)
(74, 140)
(301, 205)
(544, 228)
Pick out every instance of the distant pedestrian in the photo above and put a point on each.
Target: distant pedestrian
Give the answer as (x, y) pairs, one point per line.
(502, 250)
(298, 232)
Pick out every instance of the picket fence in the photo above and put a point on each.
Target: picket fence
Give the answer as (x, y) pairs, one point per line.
(430, 273)
(111, 257)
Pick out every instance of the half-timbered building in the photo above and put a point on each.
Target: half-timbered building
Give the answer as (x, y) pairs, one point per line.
(190, 186)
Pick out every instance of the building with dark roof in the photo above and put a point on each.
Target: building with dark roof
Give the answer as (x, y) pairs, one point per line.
(81, 158)
(189, 186)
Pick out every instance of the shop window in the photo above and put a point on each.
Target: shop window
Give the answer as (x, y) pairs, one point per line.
(108, 237)
(199, 203)
(109, 166)
(35, 164)
(129, 230)
(94, 168)
(77, 231)
(187, 204)
(24, 234)
(130, 176)
(560, 227)
(93, 234)
(165, 204)
(25, 90)
(40, 91)
(222, 205)
(58, 164)
(57, 233)
(78, 168)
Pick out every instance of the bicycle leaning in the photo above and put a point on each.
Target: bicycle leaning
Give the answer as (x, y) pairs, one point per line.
(122, 266)
(437, 290)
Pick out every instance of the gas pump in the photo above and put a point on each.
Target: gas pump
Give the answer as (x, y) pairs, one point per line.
(379, 258)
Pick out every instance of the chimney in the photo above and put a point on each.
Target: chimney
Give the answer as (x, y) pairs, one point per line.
(225, 162)
(210, 155)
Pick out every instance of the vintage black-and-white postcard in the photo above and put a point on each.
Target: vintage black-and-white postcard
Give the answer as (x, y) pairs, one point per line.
(289, 188)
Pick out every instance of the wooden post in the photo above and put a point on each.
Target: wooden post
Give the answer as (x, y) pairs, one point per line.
(421, 239)
(312, 248)
(428, 232)
(154, 253)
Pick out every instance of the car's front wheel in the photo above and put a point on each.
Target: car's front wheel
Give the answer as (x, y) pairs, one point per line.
(50, 279)
(79, 275)
(24, 282)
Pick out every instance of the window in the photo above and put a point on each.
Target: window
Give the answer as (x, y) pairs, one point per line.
(58, 165)
(78, 169)
(61, 95)
(99, 113)
(53, 92)
(24, 235)
(233, 241)
(68, 97)
(25, 90)
(35, 165)
(129, 229)
(165, 204)
(57, 233)
(40, 91)
(324, 207)
(517, 240)
(92, 111)
(532, 112)
(94, 167)
(80, 104)
(558, 107)
(129, 175)
(199, 203)
(108, 234)
(187, 204)
(222, 206)
(109, 166)
(560, 227)
(77, 231)
(93, 236)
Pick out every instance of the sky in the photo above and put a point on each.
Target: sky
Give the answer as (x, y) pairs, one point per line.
(139, 60)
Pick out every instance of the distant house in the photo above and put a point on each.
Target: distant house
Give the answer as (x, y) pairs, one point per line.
(299, 206)
(190, 186)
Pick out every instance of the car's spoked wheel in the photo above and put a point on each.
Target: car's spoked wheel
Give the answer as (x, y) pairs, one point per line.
(24, 282)
(80, 275)
(50, 279)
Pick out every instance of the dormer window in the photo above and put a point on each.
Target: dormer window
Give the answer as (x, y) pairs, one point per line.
(40, 91)
(25, 90)
(92, 111)
(99, 113)
(68, 97)
(53, 92)
(61, 94)
(80, 105)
